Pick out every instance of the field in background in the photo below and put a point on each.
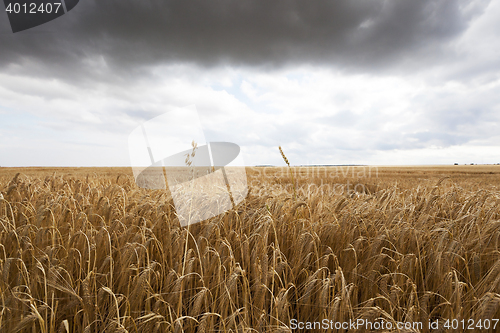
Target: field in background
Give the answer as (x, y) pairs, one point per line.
(85, 249)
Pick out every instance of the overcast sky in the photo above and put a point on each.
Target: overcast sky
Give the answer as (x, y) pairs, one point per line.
(333, 82)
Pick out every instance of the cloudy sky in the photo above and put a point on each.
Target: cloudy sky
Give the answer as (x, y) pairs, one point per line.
(380, 82)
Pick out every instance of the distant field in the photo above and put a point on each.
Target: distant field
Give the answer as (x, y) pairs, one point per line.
(471, 175)
(86, 249)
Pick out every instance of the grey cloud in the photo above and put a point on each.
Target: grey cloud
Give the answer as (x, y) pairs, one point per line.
(101, 37)
(439, 139)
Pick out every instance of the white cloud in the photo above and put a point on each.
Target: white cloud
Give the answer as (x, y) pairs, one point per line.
(320, 115)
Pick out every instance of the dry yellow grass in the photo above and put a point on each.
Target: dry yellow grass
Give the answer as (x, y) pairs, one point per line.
(86, 250)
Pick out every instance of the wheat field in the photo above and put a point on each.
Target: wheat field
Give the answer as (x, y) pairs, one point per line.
(87, 250)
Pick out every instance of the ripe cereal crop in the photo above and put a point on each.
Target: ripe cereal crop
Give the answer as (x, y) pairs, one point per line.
(87, 250)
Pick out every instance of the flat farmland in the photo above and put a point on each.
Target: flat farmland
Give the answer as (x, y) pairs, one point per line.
(410, 249)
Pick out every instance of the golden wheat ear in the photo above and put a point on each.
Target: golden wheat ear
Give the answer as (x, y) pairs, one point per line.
(291, 173)
(284, 157)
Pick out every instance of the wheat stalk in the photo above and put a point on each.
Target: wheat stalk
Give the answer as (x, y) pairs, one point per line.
(92, 254)
(291, 173)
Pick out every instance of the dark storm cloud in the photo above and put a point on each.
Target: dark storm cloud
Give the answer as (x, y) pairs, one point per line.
(99, 37)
